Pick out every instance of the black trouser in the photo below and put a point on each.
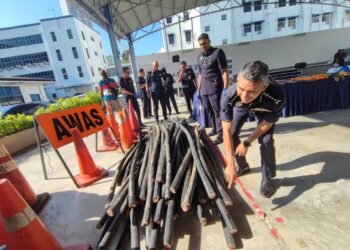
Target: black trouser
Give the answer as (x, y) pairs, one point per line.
(188, 93)
(267, 148)
(212, 104)
(146, 103)
(171, 96)
(135, 104)
(159, 97)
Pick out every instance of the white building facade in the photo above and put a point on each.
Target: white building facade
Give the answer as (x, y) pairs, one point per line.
(62, 49)
(252, 22)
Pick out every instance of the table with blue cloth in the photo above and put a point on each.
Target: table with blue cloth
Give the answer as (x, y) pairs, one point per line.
(313, 96)
(303, 97)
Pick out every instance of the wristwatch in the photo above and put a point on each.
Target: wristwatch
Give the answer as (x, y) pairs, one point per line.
(246, 143)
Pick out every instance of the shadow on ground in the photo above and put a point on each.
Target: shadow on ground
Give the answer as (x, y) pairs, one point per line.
(336, 167)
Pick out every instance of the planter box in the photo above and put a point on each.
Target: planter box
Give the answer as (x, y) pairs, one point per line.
(21, 140)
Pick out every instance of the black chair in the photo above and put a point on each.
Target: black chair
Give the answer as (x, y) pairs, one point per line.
(300, 66)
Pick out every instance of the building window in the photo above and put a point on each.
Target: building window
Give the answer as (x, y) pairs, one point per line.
(82, 35)
(281, 3)
(247, 28)
(100, 45)
(247, 7)
(188, 36)
(315, 1)
(87, 53)
(292, 2)
(207, 28)
(20, 41)
(326, 17)
(292, 22)
(29, 60)
(186, 15)
(53, 36)
(257, 5)
(69, 33)
(281, 23)
(59, 56)
(10, 95)
(103, 57)
(64, 73)
(75, 52)
(92, 39)
(44, 74)
(95, 52)
(315, 18)
(92, 71)
(169, 19)
(223, 17)
(80, 71)
(171, 38)
(35, 97)
(224, 41)
(258, 27)
(347, 15)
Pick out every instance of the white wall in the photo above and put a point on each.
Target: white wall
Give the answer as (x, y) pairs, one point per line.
(30, 88)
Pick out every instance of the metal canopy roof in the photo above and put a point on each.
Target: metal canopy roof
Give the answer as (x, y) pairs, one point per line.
(131, 15)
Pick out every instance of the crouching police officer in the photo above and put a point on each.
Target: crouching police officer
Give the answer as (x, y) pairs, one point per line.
(157, 90)
(252, 94)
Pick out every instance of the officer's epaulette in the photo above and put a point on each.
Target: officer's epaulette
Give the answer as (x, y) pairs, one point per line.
(231, 101)
(275, 100)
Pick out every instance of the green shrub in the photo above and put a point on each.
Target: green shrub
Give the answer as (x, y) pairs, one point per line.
(12, 124)
(71, 102)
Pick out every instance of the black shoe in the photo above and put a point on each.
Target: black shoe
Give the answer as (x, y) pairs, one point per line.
(177, 112)
(165, 118)
(267, 189)
(242, 171)
(212, 132)
(218, 140)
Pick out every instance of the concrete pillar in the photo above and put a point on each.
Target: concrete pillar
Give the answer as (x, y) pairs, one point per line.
(133, 60)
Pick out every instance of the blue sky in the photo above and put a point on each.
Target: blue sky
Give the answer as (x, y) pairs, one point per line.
(31, 11)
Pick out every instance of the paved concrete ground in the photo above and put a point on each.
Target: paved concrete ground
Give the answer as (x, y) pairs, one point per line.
(313, 197)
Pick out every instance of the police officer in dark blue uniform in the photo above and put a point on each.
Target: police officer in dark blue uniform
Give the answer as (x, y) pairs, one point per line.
(144, 94)
(169, 90)
(127, 86)
(251, 95)
(213, 78)
(188, 81)
(157, 90)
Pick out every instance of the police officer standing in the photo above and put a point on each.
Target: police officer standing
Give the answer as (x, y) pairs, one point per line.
(169, 90)
(157, 90)
(144, 93)
(188, 81)
(252, 94)
(213, 78)
(128, 89)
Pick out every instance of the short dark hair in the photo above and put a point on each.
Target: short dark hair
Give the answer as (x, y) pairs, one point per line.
(163, 70)
(203, 36)
(141, 70)
(125, 68)
(183, 63)
(256, 71)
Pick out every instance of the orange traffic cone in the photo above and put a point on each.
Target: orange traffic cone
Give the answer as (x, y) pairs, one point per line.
(133, 120)
(128, 123)
(10, 171)
(20, 227)
(89, 172)
(125, 135)
(107, 142)
(112, 122)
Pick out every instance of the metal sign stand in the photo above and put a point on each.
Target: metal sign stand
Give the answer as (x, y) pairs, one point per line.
(40, 148)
